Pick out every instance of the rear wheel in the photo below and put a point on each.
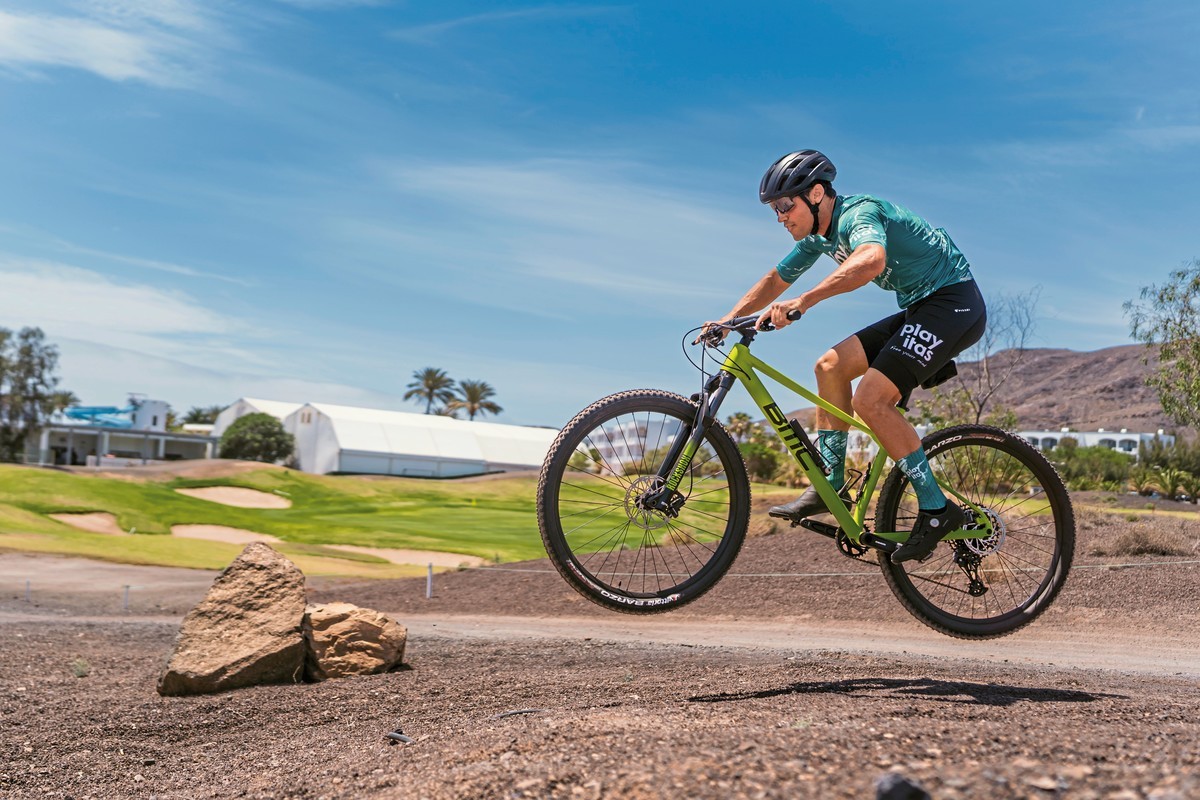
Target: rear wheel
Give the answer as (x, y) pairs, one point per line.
(599, 530)
(982, 588)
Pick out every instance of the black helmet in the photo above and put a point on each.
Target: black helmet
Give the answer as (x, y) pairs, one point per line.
(795, 172)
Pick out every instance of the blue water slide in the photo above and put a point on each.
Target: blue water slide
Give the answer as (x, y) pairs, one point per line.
(107, 416)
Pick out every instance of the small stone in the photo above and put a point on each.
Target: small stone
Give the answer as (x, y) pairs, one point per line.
(894, 786)
(1045, 783)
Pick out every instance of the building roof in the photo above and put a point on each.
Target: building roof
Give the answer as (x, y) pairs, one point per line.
(367, 430)
(276, 408)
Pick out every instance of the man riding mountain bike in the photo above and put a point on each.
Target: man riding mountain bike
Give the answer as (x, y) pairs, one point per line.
(943, 314)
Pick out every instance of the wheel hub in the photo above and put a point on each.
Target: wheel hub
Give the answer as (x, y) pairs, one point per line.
(637, 503)
(989, 545)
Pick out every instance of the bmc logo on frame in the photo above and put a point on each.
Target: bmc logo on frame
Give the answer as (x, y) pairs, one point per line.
(919, 341)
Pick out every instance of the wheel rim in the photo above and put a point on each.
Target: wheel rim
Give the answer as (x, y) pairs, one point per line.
(1017, 563)
(617, 544)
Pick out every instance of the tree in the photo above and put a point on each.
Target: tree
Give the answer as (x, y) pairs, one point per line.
(1168, 480)
(28, 384)
(473, 397)
(206, 415)
(762, 461)
(998, 355)
(738, 424)
(430, 384)
(1168, 319)
(257, 437)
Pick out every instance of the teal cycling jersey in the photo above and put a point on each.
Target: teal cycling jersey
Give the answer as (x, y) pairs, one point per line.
(920, 258)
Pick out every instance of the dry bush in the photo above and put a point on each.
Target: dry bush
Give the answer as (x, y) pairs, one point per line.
(1140, 537)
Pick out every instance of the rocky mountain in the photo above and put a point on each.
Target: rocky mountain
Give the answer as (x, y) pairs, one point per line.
(1056, 388)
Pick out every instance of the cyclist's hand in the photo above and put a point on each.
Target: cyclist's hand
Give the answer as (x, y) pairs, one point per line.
(779, 315)
(713, 334)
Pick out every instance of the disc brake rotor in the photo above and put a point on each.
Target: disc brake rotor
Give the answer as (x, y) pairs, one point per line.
(989, 545)
(644, 518)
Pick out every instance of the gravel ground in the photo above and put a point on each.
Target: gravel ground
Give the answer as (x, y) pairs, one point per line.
(595, 716)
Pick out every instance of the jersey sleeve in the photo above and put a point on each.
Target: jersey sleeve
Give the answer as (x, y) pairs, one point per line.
(865, 224)
(797, 262)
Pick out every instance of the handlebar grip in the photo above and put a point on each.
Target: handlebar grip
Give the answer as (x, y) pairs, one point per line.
(795, 314)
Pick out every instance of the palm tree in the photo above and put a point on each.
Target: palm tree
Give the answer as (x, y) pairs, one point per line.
(1167, 480)
(62, 400)
(206, 415)
(430, 384)
(473, 398)
(738, 425)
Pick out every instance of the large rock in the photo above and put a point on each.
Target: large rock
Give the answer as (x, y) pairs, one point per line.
(344, 639)
(246, 631)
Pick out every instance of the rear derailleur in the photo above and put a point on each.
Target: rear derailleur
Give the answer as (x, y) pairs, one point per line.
(969, 562)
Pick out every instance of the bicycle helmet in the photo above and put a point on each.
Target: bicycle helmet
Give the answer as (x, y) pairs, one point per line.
(791, 175)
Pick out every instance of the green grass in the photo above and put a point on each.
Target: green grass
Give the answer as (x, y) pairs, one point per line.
(491, 519)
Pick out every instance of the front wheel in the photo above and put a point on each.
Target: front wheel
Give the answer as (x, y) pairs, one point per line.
(600, 532)
(979, 588)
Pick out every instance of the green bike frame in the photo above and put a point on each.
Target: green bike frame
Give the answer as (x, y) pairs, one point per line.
(741, 364)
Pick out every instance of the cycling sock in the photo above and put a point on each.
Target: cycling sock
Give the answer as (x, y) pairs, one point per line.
(929, 494)
(832, 446)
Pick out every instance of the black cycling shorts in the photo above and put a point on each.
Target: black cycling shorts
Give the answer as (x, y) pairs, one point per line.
(912, 346)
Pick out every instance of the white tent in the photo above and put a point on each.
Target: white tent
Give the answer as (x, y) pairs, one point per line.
(331, 438)
(251, 405)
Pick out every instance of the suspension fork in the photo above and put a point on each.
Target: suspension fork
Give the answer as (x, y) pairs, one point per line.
(687, 444)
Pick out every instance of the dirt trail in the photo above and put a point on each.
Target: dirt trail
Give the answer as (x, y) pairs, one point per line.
(1044, 646)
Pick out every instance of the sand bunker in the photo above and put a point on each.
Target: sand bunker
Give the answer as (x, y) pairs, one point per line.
(237, 496)
(96, 522)
(420, 557)
(221, 533)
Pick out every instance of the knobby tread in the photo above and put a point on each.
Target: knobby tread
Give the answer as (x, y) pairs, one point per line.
(1064, 518)
(553, 468)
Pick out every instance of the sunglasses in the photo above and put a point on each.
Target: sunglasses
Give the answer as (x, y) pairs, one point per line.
(783, 205)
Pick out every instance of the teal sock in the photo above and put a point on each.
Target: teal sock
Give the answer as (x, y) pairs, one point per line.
(832, 446)
(916, 467)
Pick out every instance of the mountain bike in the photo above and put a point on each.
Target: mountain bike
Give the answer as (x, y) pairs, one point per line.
(644, 501)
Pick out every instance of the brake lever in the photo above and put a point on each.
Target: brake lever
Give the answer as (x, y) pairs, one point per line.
(793, 315)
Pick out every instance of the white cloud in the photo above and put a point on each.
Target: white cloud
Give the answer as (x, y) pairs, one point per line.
(159, 42)
(587, 225)
(426, 34)
(323, 5)
(85, 305)
(105, 374)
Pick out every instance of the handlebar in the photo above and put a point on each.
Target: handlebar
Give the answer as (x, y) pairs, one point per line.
(747, 326)
(739, 323)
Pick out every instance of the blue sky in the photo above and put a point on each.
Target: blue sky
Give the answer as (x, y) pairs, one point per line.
(311, 199)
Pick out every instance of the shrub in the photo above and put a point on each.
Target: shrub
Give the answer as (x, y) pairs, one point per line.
(1142, 541)
(257, 437)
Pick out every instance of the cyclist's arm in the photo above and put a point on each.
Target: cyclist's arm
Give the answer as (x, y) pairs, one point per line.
(866, 263)
(761, 294)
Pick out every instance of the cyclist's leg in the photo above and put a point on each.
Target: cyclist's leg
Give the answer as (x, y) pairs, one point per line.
(834, 371)
(935, 330)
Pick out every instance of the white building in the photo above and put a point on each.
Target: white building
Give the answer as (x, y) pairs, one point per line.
(110, 436)
(1122, 440)
(331, 438)
(251, 405)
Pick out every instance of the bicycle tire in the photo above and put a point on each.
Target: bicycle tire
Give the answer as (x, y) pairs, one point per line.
(616, 554)
(1023, 565)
